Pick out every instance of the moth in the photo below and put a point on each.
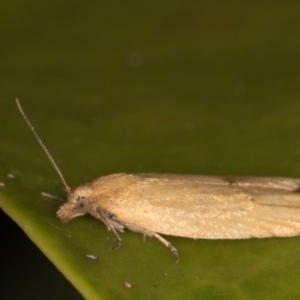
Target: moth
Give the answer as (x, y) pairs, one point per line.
(191, 206)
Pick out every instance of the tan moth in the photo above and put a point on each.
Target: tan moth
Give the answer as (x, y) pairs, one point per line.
(192, 206)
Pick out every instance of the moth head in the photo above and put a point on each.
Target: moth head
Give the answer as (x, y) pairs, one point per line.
(77, 205)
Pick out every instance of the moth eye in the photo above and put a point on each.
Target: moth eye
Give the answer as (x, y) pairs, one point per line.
(81, 205)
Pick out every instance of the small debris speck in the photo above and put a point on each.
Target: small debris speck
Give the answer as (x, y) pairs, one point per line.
(127, 284)
(2, 184)
(91, 256)
(11, 176)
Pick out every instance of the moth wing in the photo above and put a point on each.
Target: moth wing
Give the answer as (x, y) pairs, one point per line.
(211, 207)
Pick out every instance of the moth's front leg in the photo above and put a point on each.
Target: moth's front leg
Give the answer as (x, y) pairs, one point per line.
(111, 225)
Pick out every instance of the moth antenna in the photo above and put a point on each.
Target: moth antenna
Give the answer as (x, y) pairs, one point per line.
(43, 146)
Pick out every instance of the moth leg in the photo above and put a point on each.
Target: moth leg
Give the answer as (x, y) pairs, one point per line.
(167, 244)
(111, 226)
(150, 233)
(117, 238)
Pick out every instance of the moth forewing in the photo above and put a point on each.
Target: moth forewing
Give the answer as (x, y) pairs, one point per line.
(203, 206)
(185, 205)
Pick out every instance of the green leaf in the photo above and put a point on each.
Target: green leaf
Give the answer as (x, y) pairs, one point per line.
(238, 269)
